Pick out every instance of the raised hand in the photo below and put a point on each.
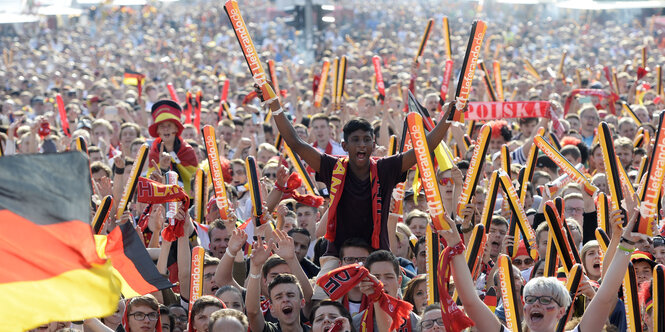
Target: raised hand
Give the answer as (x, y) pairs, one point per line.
(104, 186)
(236, 241)
(156, 175)
(508, 241)
(282, 175)
(367, 285)
(284, 247)
(467, 215)
(628, 230)
(164, 158)
(616, 223)
(451, 236)
(457, 176)
(119, 161)
(260, 253)
(156, 220)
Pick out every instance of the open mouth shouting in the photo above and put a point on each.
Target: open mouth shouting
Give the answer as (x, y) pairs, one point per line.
(536, 316)
(287, 310)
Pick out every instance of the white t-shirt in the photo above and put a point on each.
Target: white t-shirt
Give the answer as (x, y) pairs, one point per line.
(337, 149)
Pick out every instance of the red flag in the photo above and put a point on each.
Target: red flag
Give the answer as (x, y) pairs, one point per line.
(63, 115)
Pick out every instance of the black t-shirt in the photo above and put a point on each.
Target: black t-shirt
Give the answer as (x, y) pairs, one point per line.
(354, 211)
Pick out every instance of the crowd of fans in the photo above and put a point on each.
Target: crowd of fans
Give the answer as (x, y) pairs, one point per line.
(274, 288)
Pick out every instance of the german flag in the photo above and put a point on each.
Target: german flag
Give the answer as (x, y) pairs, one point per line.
(133, 78)
(131, 262)
(50, 267)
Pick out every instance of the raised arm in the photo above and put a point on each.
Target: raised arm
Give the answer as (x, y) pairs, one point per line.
(598, 310)
(477, 310)
(224, 273)
(260, 254)
(163, 258)
(433, 139)
(308, 153)
(616, 221)
(184, 256)
(275, 196)
(285, 248)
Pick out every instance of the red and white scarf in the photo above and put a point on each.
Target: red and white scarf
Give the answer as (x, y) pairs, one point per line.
(341, 280)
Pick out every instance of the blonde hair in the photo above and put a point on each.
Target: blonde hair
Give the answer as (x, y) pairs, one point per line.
(548, 286)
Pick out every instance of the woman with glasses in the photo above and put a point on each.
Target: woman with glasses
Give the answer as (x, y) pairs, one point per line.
(450, 186)
(522, 260)
(545, 299)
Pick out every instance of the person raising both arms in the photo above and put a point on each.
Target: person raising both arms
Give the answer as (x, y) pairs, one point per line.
(545, 299)
(360, 186)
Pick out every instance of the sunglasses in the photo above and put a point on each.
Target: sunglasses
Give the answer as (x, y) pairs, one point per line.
(271, 175)
(445, 181)
(526, 261)
(658, 241)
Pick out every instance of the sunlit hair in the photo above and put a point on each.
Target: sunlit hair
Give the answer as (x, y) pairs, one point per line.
(228, 314)
(415, 214)
(593, 244)
(550, 286)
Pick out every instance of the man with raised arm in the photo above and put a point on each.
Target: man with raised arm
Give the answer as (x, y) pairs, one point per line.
(360, 186)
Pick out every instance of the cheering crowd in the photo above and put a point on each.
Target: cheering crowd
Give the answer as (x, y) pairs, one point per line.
(351, 253)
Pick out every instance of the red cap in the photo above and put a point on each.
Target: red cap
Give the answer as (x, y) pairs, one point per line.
(521, 250)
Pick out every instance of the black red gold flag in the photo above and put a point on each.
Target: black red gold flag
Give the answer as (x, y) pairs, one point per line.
(46, 239)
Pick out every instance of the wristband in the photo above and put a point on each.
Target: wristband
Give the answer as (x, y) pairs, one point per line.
(228, 253)
(393, 214)
(277, 112)
(119, 171)
(254, 276)
(626, 250)
(457, 249)
(623, 239)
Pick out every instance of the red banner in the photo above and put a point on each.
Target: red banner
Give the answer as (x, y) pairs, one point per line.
(507, 109)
